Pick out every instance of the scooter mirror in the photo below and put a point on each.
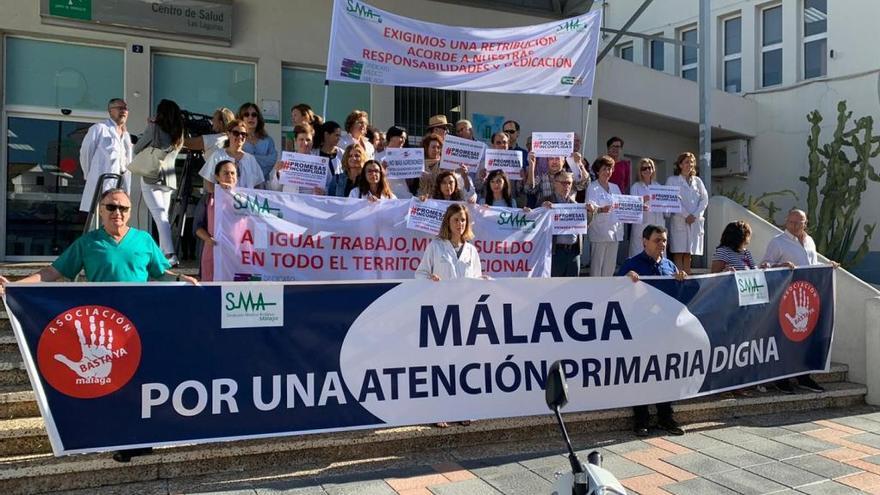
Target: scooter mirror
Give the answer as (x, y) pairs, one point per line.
(556, 391)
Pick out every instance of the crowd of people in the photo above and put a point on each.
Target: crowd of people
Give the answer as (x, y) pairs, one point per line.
(240, 153)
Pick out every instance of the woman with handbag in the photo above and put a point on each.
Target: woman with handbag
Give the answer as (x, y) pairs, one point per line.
(155, 156)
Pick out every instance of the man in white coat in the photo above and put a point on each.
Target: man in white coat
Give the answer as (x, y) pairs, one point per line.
(106, 149)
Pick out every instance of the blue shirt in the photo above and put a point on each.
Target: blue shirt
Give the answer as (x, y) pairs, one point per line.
(134, 259)
(644, 265)
(265, 153)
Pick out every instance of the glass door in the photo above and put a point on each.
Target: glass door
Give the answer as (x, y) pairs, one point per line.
(44, 184)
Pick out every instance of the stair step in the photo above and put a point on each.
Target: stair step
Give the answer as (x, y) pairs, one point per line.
(24, 471)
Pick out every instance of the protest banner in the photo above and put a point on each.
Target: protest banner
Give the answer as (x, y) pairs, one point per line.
(404, 163)
(374, 46)
(303, 170)
(438, 351)
(457, 152)
(272, 236)
(510, 161)
(569, 218)
(664, 199)
(552, 143)
(752, 287)
(628, 209)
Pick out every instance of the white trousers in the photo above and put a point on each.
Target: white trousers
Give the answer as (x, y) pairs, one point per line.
(158, 200)
(603, 258)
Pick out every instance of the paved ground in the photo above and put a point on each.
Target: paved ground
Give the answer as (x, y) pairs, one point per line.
(821, 452)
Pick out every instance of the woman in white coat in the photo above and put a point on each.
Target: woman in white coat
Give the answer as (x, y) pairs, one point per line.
(605, 230)
(248, 169)
(647, 178)
(451, 256)
(686, 228)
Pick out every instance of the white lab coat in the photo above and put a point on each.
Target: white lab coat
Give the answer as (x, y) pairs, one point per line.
(604, 227)
(103, 151)
(440, 259)
(684, 238)
(249, 173)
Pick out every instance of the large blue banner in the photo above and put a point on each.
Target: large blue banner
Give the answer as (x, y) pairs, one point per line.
(168, 364)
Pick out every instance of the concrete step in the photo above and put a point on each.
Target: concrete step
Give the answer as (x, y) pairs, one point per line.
(24, 471)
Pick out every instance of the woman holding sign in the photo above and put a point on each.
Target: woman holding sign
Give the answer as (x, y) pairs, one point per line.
(647, 176)
(371, 183)
(451, 256)
(249, 173)
(686, 228)
(446, 188)
(396, 139)
(605, 230)
(327, 146)
(226, 177)
(303, 135)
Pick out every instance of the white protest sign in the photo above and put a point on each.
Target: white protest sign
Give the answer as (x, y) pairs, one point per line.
(457, 152)
(303, 170)
(426, 216)
(575, 170)
(664, 199)
(404, 163)
(510, 161)
(552, 143)
(751, 285)
(569, 218)
(628, 209)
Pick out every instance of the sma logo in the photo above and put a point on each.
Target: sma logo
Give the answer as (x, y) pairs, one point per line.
(246, 302)
(361, 11)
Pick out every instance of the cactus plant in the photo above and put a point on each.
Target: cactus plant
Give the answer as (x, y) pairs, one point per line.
(835, 184)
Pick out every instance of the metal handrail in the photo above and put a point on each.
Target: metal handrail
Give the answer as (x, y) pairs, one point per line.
(99, 190)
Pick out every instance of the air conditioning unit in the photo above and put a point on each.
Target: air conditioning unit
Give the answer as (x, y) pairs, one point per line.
(730, 158)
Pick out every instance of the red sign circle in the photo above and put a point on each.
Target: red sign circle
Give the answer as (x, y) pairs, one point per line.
(89, 351)
(799, 310)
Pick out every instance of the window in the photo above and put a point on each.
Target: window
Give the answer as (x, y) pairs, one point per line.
(202, 85)
(732, 49)
(625, 51)
(815, 38)
(414, 106)
(657, 49)
(689, 55)
(771, 46)
(67, 75)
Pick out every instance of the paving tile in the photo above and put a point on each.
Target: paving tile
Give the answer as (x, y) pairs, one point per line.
(414, 482)
(697, 441)
(623, 448)
(875, 459)
(773, 449)
(699, 464)
(665, 444)
(548, 466)
(766, 431)
(467, 487)
(647, 484)
(736, 456)
(822, 466)
(698, 486)
(806, 442)
(369, 487)
(843, 454)
(859, 423)
(786, 474)
(491, 471)
(293, 487)
(453, 471)
(829, 488)
(623, 467)
(414, 491)
(802, 427)
(868, 482)
(745, 482)
(864, 465)
(869, 439)
(651, 458)
(734, 436)
(522, 483)
(837, 425)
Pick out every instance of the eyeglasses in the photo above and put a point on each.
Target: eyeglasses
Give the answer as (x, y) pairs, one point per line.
(250, 114)
(646, 168)
(238, 134)
(565, 182)
(112, 208)
(121, 108)
(509, 131)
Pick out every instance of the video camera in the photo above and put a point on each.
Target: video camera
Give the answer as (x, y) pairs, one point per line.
(196, 124)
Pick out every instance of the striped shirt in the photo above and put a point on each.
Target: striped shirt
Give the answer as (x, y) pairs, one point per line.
(739, 260)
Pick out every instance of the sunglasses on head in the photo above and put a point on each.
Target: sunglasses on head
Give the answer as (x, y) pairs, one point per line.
(238, 134)
(112, 208)
(250, 114)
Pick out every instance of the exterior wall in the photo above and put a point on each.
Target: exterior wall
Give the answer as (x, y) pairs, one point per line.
(778, 149)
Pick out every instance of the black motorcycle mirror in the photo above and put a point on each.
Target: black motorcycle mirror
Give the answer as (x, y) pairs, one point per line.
(556, 395)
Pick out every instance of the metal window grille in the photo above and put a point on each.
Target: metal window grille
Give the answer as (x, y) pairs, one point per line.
(414, 106)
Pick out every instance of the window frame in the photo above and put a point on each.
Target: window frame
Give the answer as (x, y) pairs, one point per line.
(764, 49)
(625, 46)
(651, 60)
(210, 58)
(725, 58)
(809, 39)
(682, 65)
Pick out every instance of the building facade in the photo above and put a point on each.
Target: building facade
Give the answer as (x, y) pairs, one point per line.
(59, 70)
